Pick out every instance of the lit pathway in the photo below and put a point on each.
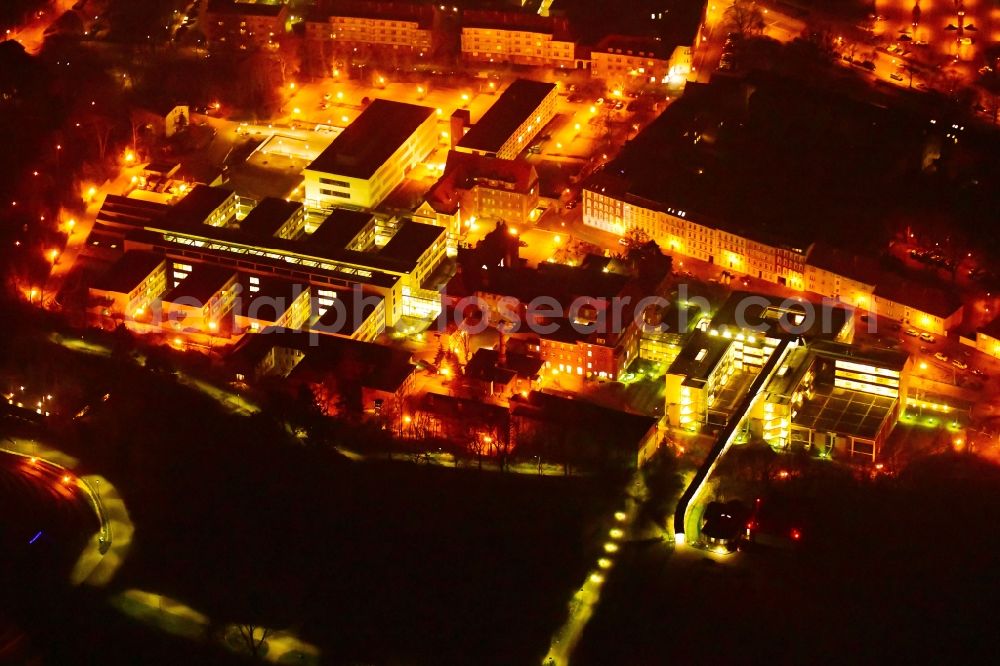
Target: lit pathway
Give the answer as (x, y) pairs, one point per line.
(106, 550)
(585, 599)
(230, 400)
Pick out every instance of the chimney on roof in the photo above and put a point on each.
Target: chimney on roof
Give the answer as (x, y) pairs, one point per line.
(460, 119)
(502, 345)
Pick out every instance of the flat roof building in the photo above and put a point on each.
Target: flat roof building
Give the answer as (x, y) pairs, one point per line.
(600, 435)
(834, 396)
(344, 229)
(509, 126)
(335, 257)
(372, 156)
(131, 284)
(774, 317)
(200, 299)
(350, 313)
(204, 204)
(273, 217)
(266, 301)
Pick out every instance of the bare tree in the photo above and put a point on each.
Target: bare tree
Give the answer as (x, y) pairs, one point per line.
(254, 639)
(744, 17)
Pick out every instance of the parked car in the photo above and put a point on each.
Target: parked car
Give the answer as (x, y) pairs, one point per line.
(960, 364)
(941, 357)
(927, 337)
(912, 332)
(896, 76)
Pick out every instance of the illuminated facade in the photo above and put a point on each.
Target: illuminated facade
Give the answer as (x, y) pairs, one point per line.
(606, 206)
(200, 299)
(372, 156)
(135, 281)
(394, 26)
(860, 281)
(835, 398)
(244, 24)
(988, 339)
(474, 187)
(337, 257)
(627, 61)
(702, 368)
(515, 119)
(517, 46)
(266, 302)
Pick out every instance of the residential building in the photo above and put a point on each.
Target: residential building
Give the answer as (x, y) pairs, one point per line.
(244, 24)
(476, 187)
(609, 204)
(862, 282)
(590, 331)
(665, 57)
(395, 26)
(624, 61)
(372, 156)
(517, 37)
(513, 121)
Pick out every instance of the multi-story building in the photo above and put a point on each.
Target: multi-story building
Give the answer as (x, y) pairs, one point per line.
(277, 218)
(396, 26)
(270, 302)
(485, 188)
(509, 126)
(609, 205)
(345, 257)
(520, 38)
(204, 204)
(372, 156)
(667, 57)
(860, 281)
(200, 299)
(824, 393)
(621, 60)
(835, 398)
(592, 332)
(704, 366)
(244, 23)
(133, 282)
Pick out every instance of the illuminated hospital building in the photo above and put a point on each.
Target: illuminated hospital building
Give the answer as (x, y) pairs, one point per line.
(824, 393)
(195, 268)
